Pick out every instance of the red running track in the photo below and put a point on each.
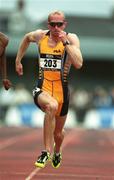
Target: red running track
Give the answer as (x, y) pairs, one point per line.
(87, 155)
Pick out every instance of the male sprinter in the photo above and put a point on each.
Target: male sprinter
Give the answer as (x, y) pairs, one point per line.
(58, 50)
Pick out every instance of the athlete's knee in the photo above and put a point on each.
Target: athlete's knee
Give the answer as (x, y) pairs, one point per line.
(52, 107)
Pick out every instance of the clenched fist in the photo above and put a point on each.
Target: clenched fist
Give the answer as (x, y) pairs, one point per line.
(6, 83)
(19, 68)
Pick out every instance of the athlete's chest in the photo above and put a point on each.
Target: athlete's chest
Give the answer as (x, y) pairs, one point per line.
(51, 57)
(48, 47)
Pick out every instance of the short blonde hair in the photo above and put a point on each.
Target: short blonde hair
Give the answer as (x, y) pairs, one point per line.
(56, 12)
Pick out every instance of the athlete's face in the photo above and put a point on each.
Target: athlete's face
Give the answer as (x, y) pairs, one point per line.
(56, 24)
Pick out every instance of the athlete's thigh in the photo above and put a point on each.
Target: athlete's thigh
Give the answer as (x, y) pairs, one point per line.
(44, 99)
(60, 122)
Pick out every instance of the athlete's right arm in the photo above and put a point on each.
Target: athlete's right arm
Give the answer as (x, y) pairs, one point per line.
(28, 38)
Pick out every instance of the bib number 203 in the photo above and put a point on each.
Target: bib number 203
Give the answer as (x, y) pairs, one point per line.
(50, 63)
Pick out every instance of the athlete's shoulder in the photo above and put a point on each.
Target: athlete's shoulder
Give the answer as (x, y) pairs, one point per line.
(37, 34)
(73, 35)
(73, 38)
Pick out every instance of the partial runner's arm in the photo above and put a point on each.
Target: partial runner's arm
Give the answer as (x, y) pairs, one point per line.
(3, 64)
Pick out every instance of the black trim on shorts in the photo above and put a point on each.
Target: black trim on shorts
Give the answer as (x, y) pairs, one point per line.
(36, 98)
(64, 110)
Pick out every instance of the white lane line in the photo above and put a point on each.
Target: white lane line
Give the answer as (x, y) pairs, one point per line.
(65, 175)
(33, 173)
(13, 140)
(70, 136)
(8, 143)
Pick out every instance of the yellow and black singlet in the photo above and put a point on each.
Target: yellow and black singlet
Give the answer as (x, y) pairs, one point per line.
(53, 73)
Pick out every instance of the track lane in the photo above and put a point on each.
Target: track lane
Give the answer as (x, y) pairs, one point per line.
(87, 155)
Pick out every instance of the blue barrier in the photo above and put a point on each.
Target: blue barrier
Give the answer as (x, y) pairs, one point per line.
(106, 117)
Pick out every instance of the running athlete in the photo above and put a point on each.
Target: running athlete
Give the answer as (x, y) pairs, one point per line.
(3, 68)
(57, 51)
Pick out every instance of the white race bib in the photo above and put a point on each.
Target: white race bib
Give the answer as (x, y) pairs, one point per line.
(49, 63)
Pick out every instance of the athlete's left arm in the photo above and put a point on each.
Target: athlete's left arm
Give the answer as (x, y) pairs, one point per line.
(72, 45)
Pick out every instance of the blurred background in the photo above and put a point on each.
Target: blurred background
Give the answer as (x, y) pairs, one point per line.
(92, 87)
